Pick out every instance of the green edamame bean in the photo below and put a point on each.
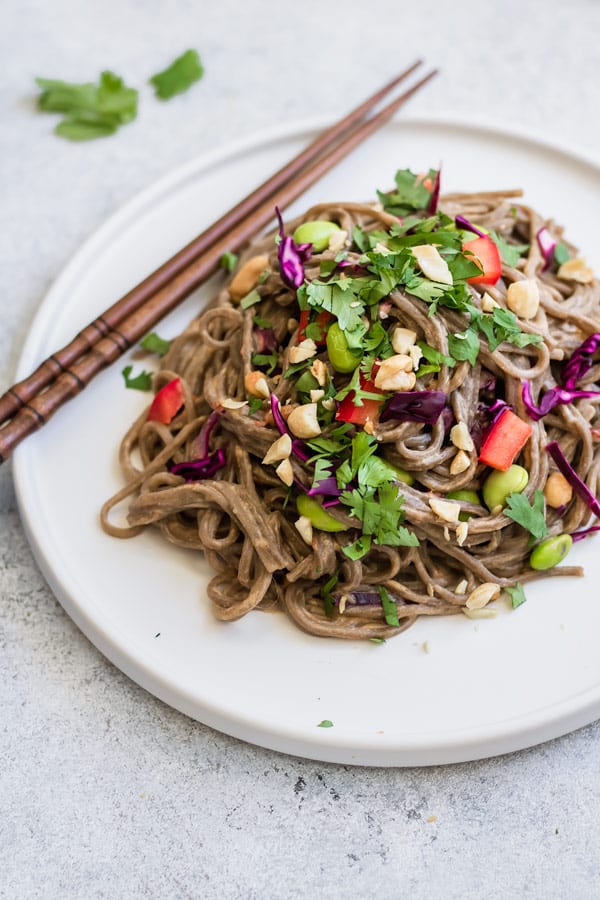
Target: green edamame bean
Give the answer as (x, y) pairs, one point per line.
(340, 356)
(316, 233)
(468, 497)
(402, 475)
(498, 485)
(318, 516)
(550, 552)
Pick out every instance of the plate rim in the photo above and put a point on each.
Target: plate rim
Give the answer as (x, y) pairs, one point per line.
(510, 734)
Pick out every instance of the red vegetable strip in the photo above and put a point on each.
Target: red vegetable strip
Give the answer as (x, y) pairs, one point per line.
(507, 436)
(167, 402)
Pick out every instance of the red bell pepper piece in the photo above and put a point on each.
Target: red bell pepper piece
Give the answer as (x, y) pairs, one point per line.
(166, 402)
(507, 436)
(487, 257)
(322, 320)
(370, 409)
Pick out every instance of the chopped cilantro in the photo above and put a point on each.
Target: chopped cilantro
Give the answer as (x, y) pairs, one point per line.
(390, 609)
(510, 253)
(266, 360)
(529, 516)
(465, 345)
(516, 594)
(410, 194)
(155, 344)
(260, 322)
(327, 596)
(254, 404)
(376, 640)
(141, 382)
(326, 723)
(264, 275)
(90, 110)
(229, 261)
(179, 76)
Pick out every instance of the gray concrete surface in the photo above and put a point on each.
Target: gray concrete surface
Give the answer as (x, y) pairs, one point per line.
(104, 791)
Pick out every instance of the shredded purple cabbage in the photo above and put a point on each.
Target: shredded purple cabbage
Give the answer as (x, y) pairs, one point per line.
(487, 415)
(463, 222)
(291, 257)
(360, 598)
(200, 469)
(327, 503)
(579, 486)
(202, 439)
(326, 487)
(435, 194)
(265, 340)
(298, 447)
(415, 406)
(580, 362)
(575, 368)
(580, 535)
(551, 398)
(547, 245)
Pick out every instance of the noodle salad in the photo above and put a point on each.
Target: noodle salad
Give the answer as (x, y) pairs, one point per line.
(390, 411)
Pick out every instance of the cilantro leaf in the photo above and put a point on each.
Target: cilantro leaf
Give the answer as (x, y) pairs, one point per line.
(229, 261)
(327, 596)
(390, 610)
(90, 110)
(510, 253)
(141, 382)
(269, 360)
(516, 594)
(254, 404)
(410, 194)
(179, 76)
(155, 344)
(326, 723)
(465, 346)
(531, 517)
(435, 358)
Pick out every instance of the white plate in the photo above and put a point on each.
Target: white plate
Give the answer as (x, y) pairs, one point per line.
(483, 688)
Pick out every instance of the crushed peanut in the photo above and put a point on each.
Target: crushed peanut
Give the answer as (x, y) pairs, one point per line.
(576, 270)
(228, 403)
(403, 339)
(523, 298)
(285, 472)
(461, 587)
(303, 421)
(256, 385)
(448, 510)
(280, 449)
(396, 374)
(246, 279)
(319, 371)
(303, 526)
(460, 463)
(482, 595)
(462, 530)
(488, 304)
(337, 240)
(315, 396)
(431, 264)
(557, 490)
(461, 438)
(305, 350)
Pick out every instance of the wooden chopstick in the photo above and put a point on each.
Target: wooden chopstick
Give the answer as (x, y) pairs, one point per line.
(21, 393)
(101, 342)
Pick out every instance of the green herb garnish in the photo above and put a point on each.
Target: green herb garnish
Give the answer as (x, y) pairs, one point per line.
(250, 299)
(229, 261)
(529, 516)
(155, 344)
(90, 110)
(390, 610)
(326, 723)
(141, 382)
(561, 254)
(510, 253)
(327, 595)
(179, 76)
(516, 594)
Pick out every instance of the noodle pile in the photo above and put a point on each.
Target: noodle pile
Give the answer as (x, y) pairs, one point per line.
(243, 518)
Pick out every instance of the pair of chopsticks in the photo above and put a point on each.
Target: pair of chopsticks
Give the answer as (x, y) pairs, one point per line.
(28, 405)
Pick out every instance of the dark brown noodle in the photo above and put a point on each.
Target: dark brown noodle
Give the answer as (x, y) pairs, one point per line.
(241, 520)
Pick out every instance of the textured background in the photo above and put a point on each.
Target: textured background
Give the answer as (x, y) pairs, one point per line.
(104, 791)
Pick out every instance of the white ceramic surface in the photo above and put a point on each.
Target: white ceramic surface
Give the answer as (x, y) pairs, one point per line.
(483, 688)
